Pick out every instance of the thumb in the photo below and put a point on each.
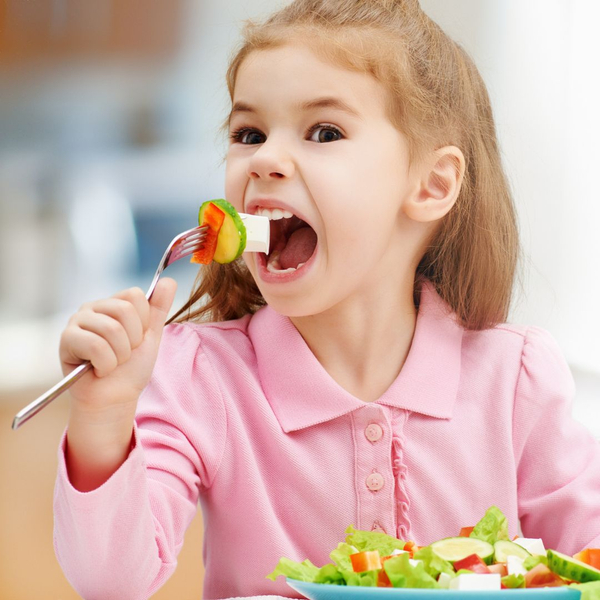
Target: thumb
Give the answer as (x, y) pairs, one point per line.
(161, 302)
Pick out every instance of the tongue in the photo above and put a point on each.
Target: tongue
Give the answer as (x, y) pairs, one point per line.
(299, 248)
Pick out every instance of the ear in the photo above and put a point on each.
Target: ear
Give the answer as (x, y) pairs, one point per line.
(441, 176)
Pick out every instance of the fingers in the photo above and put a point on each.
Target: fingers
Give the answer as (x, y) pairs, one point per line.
(106, 332)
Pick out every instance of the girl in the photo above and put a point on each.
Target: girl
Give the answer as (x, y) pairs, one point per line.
(361, 372)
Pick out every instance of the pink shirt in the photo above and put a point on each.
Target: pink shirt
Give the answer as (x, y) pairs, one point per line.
(243, 418)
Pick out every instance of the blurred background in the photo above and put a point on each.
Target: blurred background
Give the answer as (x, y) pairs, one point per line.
(109, 141)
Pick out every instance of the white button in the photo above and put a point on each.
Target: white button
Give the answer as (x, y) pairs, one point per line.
(375, 481)
(373, 432)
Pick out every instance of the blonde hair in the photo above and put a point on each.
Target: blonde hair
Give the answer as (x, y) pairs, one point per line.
(436, 98)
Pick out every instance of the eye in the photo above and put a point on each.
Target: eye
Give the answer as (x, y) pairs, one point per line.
(324, 133)
(247, 135)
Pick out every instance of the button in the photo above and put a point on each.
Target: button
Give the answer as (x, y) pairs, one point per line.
(375, 481)
(373, 432)
(377, 527)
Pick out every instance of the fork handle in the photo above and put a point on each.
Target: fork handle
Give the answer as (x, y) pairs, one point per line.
(64, 384)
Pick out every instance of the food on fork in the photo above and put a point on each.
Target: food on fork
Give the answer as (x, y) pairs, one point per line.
(481, 558)
(229, 233)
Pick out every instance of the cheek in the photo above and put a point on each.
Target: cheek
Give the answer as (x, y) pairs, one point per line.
(235, 184)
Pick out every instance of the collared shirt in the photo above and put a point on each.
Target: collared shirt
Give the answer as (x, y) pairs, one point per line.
(242, 417)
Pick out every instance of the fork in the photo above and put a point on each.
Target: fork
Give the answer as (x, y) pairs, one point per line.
(183, 245)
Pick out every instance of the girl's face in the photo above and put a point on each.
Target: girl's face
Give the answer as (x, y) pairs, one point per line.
(312, 139)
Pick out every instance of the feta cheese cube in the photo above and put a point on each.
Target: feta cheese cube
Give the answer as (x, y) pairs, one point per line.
(258, 230)
(514, 565)
(444, 580)
(532, 545)
(476, 581)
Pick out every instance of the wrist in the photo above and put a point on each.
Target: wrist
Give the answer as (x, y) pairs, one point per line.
(98, 443)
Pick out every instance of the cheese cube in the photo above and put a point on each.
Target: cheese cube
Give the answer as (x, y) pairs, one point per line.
(514, 565)
(258, 230)
(476, 581)
(532, 545)
(444, 580)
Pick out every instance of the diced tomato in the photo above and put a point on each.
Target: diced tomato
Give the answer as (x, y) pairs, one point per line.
(590, 556)
(213, 217)
(465, 531)
(498, 568)
(473, 562)
(383, 580)
(365, 561)
(542, 576)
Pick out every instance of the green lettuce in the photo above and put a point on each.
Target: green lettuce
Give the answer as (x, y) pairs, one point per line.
(402, 574)
(302, 571)
(434, 565)
(366, 541)
(514, 581)
(492, 527)
(534, 560)
(341, 556)
(589, 591)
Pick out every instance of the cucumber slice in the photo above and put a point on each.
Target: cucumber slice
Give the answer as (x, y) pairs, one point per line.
(571, 568)
(504, 548)
(456, 548)
(232, 237)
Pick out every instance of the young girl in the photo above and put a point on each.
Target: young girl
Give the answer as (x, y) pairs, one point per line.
(361, 372)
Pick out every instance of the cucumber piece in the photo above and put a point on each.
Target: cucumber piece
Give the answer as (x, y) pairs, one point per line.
(571, 568)
(504, 548)
(456, 548)
(232, 236)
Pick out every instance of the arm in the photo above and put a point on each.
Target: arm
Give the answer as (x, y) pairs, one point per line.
(558, 458)
(120, 336)
(121, 539)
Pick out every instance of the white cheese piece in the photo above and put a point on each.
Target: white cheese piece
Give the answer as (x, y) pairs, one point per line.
(532, 545)
(514, 565)
(396, 551)
(258, 233)
(476, 581)
(444, 580)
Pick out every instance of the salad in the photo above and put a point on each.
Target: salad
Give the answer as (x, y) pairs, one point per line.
(481, 557)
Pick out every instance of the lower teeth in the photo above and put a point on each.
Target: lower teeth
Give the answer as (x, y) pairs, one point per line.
(274, 266)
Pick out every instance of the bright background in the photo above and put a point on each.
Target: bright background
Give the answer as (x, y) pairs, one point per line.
(109, 141)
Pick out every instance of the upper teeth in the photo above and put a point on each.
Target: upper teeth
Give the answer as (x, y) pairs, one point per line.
(274, 214)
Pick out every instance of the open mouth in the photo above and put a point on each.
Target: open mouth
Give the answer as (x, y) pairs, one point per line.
(293, 241)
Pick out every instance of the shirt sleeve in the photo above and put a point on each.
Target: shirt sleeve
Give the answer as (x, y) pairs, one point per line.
(558, 459)
(121, 540)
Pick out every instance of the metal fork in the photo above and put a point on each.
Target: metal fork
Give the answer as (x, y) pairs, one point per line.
(183, 245)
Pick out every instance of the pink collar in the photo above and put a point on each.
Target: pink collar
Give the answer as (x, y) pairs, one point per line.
(302, 393)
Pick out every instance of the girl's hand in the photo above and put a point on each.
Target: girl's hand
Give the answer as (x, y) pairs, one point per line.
(120, 336)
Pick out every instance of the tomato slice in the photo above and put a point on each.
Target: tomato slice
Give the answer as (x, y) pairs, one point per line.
(213, 217)
(473, 562)
(465, 531)
(542, 576)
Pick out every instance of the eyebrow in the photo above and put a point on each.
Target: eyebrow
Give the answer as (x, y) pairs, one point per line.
(325, 102)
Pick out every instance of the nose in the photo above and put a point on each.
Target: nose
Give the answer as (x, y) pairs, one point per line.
(271, 161)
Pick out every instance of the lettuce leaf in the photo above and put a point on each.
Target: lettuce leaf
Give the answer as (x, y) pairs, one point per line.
(373, 540)
(341, 556)
(434, 565)
(492, 527)
(402, 574)
(514, 581)
(534, 561)
(589, 591)
(302, 571)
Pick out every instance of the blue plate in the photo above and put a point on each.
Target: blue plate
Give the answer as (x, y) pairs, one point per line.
(320, 591)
